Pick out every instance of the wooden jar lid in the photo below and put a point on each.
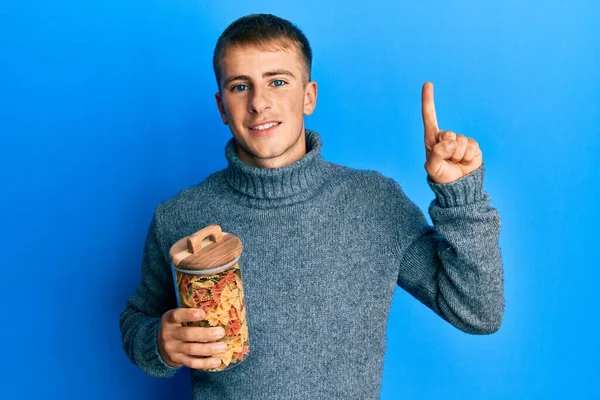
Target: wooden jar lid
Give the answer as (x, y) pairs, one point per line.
(206, 249)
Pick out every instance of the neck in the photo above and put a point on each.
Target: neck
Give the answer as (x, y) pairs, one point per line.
(271, 187)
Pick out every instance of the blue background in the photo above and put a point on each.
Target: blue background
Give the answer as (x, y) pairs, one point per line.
(107, 108)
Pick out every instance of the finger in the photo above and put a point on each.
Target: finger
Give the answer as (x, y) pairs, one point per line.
(199, 334)
(461, 148)
(441, 152)
(201, 349)
(428, 111)
(198, 362)
(473, 151)
(180, 315)
(446, 135)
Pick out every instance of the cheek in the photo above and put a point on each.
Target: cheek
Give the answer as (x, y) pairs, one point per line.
(233, 107)
(297, 103)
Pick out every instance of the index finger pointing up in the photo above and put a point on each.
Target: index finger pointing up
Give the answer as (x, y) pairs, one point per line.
(428, 110)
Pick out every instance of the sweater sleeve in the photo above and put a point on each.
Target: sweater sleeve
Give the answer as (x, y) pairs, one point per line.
(155, 295)
(455, 267)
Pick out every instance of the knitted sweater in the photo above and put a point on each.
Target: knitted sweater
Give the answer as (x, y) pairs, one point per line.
(324, 248)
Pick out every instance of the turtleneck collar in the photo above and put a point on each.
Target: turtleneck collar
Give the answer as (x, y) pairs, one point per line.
(273, 187)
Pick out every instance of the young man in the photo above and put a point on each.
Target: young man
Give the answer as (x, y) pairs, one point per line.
(324, 245)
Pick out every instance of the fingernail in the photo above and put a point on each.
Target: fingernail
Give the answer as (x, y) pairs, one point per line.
(222, 346)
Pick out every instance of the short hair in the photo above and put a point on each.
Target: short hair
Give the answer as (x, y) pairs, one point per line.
(262, 30)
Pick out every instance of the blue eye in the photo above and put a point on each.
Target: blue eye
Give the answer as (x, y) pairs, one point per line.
(233, 89)
(279, 80)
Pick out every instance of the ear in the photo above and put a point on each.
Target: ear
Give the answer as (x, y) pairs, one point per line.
(221, 107)
(310, 97)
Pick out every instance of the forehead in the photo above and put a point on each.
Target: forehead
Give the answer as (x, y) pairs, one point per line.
(254, 60)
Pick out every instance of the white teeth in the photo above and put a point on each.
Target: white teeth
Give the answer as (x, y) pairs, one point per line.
(265, 126)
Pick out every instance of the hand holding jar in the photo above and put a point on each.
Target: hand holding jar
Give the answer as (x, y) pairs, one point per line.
(181, 345)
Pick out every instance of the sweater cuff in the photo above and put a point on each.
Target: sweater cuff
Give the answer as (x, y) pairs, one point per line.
(151, 355)
(463, 191)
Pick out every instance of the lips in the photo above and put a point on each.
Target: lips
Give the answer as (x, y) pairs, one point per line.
(266, 125)
(270, 129)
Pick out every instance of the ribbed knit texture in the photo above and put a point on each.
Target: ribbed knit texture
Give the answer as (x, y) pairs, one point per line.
(325, 246)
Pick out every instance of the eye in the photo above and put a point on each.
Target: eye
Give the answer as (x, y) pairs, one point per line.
(279, 80)
(234, 88)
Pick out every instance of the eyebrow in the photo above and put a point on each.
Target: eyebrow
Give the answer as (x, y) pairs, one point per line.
(264, 75)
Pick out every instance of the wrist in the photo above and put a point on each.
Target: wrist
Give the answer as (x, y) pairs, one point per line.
(466, 190)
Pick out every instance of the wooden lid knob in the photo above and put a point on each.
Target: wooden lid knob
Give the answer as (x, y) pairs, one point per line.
(208, 248)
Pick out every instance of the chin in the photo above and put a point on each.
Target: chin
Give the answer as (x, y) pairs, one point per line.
(275, 144)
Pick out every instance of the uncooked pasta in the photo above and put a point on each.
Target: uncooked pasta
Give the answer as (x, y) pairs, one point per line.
(221, 296)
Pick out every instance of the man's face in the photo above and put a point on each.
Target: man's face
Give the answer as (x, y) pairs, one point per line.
(261, 86)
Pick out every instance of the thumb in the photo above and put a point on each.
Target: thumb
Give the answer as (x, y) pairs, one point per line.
(438, 155)
(181, 315)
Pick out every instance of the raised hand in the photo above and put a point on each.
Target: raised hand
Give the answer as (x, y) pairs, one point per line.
(449, 156)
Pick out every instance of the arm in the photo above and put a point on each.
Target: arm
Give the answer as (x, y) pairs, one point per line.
(141, 318)
(455, 267)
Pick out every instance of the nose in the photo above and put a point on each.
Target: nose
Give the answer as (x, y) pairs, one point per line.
(259, 101)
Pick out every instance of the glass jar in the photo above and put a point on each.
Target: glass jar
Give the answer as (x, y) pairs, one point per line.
(207, 274)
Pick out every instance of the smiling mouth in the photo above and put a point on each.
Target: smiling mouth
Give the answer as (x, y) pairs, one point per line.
(265, 127)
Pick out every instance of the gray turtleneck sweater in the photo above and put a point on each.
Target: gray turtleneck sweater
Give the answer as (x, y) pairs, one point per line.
(324, 248)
